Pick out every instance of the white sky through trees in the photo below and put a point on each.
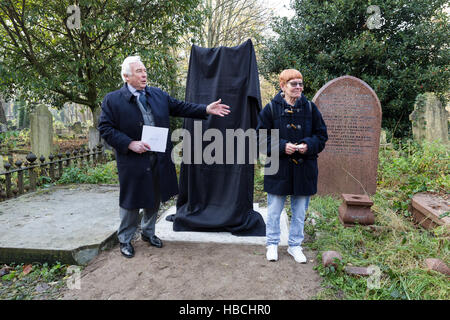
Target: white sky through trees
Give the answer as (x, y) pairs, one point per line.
(280, 7)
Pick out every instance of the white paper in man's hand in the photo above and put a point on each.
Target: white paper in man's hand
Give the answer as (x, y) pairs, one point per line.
(156, 137)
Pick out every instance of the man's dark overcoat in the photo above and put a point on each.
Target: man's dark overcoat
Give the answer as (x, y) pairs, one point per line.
(121, 122)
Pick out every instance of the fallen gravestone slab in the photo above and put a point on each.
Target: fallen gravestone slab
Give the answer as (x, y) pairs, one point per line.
(68, 224)
(430, 210)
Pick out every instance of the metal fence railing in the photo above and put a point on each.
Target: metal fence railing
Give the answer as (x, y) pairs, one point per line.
(19, 179)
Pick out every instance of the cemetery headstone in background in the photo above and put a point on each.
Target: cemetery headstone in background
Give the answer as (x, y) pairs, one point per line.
(352, 112)
(94, 138)
(77, 128)
(447, 108)
(429, 119)
(41, 122)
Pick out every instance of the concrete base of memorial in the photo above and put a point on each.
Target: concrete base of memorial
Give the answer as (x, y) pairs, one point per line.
(164, 230)
(72, 224)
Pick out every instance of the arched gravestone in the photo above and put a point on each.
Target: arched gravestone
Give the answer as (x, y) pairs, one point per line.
(41, 133)
(352, 113)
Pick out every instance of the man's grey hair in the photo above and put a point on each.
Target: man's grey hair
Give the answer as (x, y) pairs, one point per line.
(126, 69)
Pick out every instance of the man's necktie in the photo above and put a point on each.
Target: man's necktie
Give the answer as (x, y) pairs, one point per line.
(145, 109)
(142, 98)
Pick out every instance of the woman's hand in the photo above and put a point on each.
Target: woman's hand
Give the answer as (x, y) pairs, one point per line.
(302, 148)
(290, 148)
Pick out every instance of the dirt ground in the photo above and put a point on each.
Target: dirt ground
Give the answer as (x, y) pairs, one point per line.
(196, 271)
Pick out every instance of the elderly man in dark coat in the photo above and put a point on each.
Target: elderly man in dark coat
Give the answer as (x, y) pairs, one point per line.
(146, 178)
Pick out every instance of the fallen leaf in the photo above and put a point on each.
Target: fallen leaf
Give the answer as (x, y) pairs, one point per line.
(27, 269)
(5, 271)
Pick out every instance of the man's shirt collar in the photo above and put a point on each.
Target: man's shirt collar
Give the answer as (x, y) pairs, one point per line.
(133, 90)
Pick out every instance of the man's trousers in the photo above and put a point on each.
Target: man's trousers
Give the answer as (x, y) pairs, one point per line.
(129, 218)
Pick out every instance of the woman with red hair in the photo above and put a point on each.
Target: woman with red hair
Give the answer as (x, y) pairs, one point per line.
(302, 135)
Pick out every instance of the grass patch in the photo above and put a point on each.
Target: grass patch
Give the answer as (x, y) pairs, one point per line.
(32, 281)
(397, 247)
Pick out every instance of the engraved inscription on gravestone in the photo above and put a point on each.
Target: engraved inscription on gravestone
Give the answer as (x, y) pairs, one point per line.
(352, 113)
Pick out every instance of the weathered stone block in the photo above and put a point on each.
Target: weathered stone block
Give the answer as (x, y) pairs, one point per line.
(356, 209)
(437, 265)
(328, 258)
(358, 271)
(429, 209)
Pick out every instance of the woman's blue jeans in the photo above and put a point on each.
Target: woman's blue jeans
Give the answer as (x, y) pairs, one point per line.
(275, 205)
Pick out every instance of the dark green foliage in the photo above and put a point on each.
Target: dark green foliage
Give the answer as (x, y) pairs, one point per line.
(411, 169)
(406, 56)
(105, 173)
(46, 61)
(24, 117)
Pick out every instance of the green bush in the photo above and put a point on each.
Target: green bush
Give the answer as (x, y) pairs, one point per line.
(103, 173)
(397, 246)
(411, 169)
(9, 139)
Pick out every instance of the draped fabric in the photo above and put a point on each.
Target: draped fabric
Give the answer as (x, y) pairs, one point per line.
(219, 196)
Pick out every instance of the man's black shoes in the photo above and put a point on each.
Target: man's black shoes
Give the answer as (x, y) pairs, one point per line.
(127, 250)
(153, 240)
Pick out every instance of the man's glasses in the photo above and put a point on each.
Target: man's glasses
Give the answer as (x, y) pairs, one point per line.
(295, 84)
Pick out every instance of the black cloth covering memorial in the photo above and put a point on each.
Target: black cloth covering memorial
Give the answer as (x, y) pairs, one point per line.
(219, 197)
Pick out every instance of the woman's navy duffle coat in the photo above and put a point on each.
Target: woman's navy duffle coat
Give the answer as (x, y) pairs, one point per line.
(303, 123)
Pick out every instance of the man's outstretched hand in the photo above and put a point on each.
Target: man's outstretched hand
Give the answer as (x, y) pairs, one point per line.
(217, 108)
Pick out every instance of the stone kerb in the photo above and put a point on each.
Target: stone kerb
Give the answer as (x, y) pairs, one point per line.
(41, 123)
(352, 112)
